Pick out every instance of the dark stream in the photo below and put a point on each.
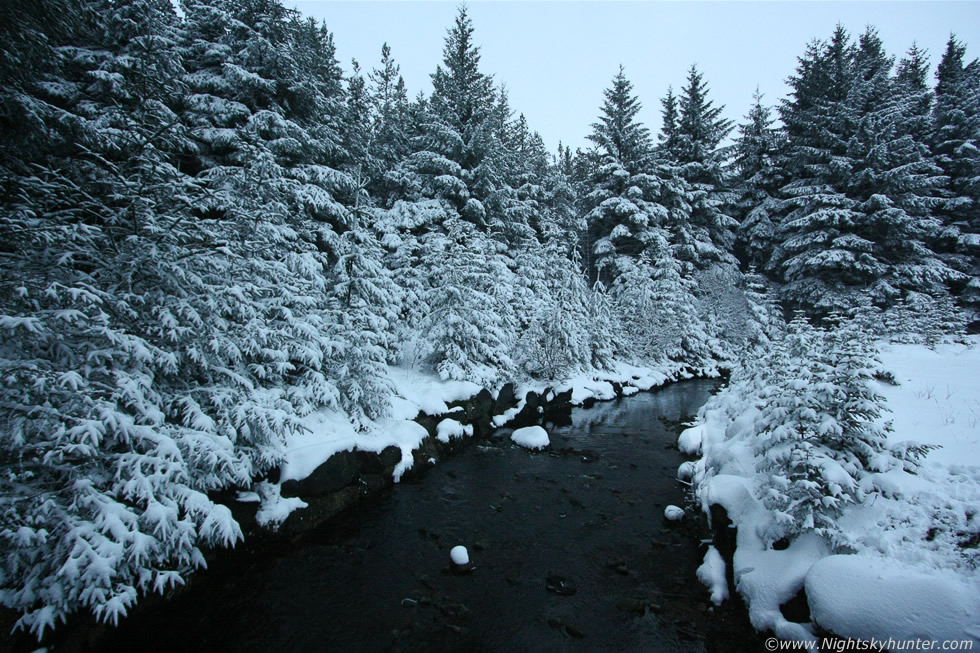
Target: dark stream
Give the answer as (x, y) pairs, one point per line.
(585, 516)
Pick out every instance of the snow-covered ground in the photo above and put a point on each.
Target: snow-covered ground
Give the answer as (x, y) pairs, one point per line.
(531, 437)
(908, 564)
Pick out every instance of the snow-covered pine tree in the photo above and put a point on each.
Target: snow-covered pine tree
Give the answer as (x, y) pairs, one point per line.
(956, 146)
(389, 128)
(467, 328)
(622, 211)
(707, 237)
(113, 431)
(556, 342)
(858, 214)
(668, 140)
(760, 175)
(766, 312)
(468, 119)
(358, 139)
(801, 482)
(367, 301)
(821, 428)
(458, 171)
(658, 310)
(604, 328)
(821, 266)
(894, 179)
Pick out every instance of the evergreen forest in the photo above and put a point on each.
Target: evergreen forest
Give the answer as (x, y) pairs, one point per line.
(208, 230)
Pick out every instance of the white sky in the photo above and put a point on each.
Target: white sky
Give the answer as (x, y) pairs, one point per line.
(556, 57)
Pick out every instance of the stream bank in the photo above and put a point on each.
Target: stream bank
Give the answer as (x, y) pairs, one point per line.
(570, 548)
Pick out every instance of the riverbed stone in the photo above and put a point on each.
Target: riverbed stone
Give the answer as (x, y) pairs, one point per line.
(724, 538)
(383, 464)
(338, 471)
(320, 509)
(530, 414)
(476, 407)
(390, 457)
(372, 484)
(506, 399)
(368, 462)
(560, 406)
(632, 605)
(431, 422)
(427, 450)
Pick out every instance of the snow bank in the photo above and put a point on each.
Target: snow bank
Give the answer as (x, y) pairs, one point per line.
(417, 391)
(531, 437)
(327, 431)
(766, 578)
(865, 597)
(938, 400)
(711, 573)
(632, 378)
(910, 575)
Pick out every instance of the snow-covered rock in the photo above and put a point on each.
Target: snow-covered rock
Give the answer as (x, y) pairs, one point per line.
(459, 555)
(531, 437)
(449, 428)
(711, 573)
(673, 513)
(687, 470)
(689, 441)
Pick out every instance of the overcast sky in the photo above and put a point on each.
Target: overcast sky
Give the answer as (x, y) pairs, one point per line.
(556, 57)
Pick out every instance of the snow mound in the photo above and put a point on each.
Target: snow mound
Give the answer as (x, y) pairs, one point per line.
(711, 573)
(407, 436)
(865, 597)
(531, 437)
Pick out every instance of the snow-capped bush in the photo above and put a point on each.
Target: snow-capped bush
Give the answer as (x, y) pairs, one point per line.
(809, 412)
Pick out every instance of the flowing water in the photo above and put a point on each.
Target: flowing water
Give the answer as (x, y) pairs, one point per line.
(569, 547)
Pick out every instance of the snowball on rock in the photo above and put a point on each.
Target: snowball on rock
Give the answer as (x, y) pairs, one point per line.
(673, 513)
(531, 437)
(459, 556)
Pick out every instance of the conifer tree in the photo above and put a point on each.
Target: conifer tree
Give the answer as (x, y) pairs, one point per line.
(622, 209)
(707, 236)
(669, 139)
(759, 168)
(390, 128)
(858, 217)
(956, 146)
